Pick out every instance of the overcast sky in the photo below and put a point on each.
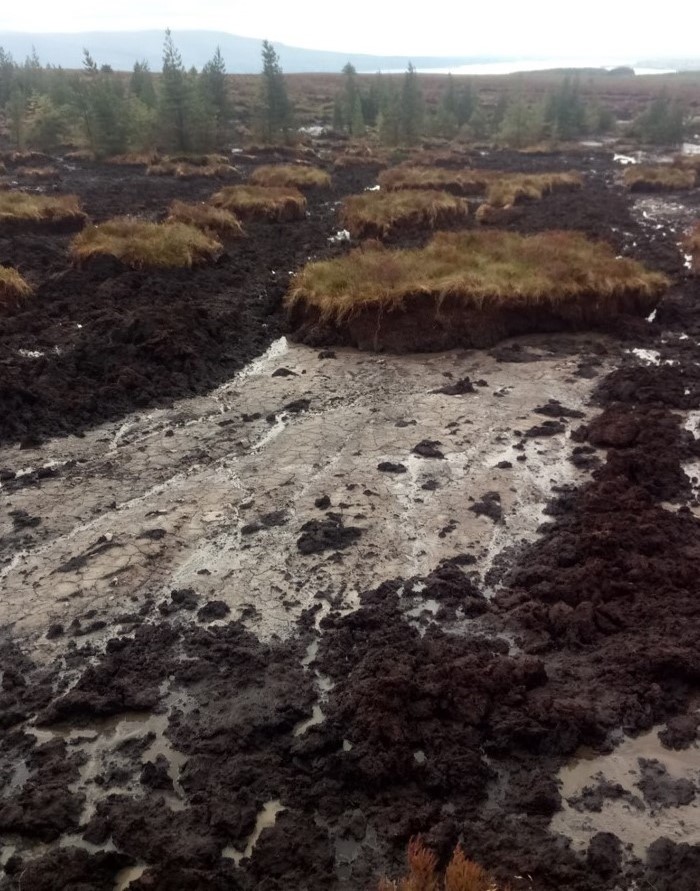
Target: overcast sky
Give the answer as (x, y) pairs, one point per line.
(586, 29)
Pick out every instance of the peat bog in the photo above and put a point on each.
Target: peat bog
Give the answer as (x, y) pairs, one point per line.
(270, 610)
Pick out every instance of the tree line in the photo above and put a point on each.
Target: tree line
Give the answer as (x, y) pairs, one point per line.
(184, 110)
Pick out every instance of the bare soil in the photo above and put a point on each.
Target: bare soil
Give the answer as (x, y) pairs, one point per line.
(241, 649)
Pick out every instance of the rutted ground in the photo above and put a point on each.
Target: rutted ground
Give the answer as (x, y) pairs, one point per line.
(214, 494)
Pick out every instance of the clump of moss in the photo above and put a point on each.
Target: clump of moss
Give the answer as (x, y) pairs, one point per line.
(290, 175)
(376, 214)
(206, 217)
(262, 202)
(141, 244)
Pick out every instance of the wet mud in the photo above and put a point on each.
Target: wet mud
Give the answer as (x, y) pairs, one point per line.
(453, 595)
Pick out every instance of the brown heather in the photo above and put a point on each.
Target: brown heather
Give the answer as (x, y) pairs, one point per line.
(146, 245)
(261, 202)
(376, 214)
(460, 874)
(483, 270)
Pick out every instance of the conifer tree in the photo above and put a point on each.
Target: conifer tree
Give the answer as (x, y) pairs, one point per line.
(214, 93)
(141, 84)
(174, 97)
(411, 108)
(275, 108)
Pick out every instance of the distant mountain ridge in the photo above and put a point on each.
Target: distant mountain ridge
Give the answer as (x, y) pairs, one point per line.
(121, 49)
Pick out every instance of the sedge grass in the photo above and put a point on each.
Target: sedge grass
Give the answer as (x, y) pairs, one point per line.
(376, 214)
(25, 207)
(664, 177)
(146, 245)
(206, 217)
(290, 175)
(481, 270)
(186, 170)
(13, 288)
(261, 202)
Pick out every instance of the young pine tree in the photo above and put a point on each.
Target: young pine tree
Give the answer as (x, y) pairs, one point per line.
(275, 107)
(141, 84)
(174, 98)
(411, 109)
(213, 89)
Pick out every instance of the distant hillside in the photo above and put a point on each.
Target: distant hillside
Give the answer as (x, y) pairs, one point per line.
(121, 49)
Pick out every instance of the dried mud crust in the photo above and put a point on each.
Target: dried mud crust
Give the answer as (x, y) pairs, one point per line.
(99, 342)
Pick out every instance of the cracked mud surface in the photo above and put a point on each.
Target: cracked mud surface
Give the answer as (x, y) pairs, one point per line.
(259, 638)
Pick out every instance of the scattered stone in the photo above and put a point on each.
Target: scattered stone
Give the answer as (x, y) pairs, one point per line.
(327, 535)
(323, 502)
(459, 388)
(283, 372)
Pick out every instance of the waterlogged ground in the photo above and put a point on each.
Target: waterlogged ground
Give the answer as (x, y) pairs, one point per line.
(258, 636)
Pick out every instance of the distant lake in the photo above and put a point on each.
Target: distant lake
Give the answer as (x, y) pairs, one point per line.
(522, 65)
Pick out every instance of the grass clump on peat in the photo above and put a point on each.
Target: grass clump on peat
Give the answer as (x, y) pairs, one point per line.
(146, 245)
(661, 178)
(480, 269)
(458, 182)
(291, 176)
(461, 874)
(514, 188)
(20, 208)
(376, 214)
(13, 288)
(38, 174)
(468, 288)
(692, 244)
(188, 170)
(206, 217)
(261, 202)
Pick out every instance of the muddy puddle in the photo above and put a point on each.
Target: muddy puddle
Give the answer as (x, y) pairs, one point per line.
(640, 792)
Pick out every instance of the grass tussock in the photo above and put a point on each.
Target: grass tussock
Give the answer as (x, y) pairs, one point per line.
(290, 176)
(38, 174)
(26, 158)
(376, 214)
(482, 270)
(461, 874)
(459, 182)
(3, 169)
(186, 170)
(13, 288)
(501, 189)
(80, 156)
(506, 190)
(661, 178)
(24, 207)
(207, 218)
(688, 162)
(146, 245)
(692, 244)
(134, 159)
(262, 203)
